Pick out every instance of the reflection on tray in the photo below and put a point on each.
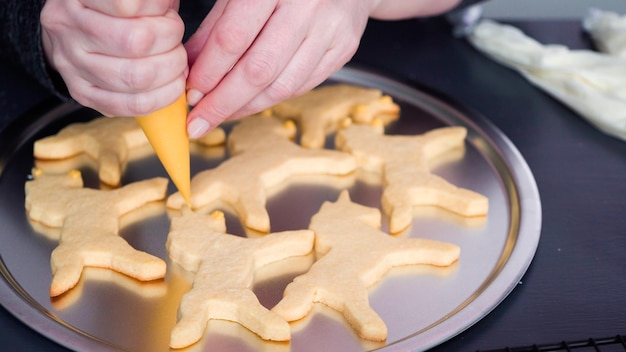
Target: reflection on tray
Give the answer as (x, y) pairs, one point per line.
(224, 335)
(145, 289)
(333, 326)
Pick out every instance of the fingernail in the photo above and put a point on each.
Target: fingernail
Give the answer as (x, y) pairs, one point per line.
(194, 96)
(197, 128)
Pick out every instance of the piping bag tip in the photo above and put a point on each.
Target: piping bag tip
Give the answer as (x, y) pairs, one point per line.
(166, 130)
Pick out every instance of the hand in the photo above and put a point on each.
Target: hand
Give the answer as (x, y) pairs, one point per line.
(249, 55)
(120, 57)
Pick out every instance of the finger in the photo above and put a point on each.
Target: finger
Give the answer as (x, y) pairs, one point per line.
(111, 103)
(227, 41)
(198, 39)
(332, 61)
(308, 68)
(131, 8)
(312, 77)
(296, 78)
(130, 37)
(126, 75)
(257, 69)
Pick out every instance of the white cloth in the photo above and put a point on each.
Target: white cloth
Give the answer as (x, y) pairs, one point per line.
(608, 31)
(591, 83)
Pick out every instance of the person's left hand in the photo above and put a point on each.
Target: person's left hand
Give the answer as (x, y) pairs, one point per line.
(249, 55)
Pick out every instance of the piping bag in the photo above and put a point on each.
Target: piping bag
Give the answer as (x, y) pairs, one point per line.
(166, 130)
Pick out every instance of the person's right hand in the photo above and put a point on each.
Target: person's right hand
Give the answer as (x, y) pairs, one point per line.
(119, 57)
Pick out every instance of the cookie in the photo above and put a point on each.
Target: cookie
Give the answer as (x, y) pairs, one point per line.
(320, 111)
(262, 155)
(211, 145)
(352, 255)
(404, 163)
(105, 139)
(89, 222)
(224, 267)
(216, 137)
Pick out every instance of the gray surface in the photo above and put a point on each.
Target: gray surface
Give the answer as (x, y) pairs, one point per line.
(548, 9)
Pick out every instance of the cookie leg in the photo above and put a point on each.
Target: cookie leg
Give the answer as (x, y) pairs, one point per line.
(363, 318)
(127, 260)
(137, 194)
(193, 312)
(400, 213)
(448, 196)
(251, 209)
(109, 169)
(66, 274)
(121, 257)
(281, 245)
(424, 251)
(297, 301)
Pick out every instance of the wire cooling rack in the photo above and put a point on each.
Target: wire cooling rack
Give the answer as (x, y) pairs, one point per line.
(608, 344)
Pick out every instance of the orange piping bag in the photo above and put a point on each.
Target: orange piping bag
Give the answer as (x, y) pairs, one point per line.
(166, 130)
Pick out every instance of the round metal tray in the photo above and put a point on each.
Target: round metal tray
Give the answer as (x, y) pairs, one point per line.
(422, 306)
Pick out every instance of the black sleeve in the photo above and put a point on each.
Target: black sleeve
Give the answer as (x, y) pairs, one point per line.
(20, 43)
